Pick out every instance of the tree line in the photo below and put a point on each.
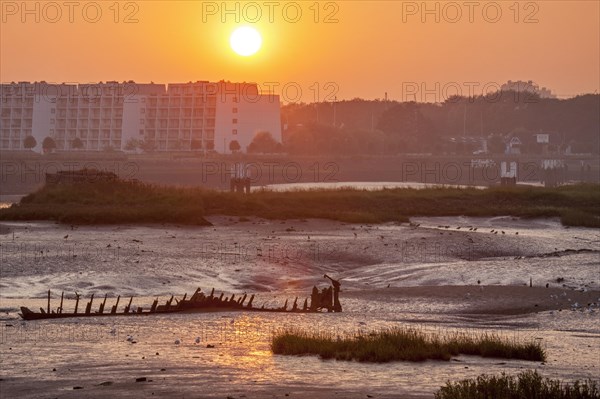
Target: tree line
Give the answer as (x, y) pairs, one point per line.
(454, 126)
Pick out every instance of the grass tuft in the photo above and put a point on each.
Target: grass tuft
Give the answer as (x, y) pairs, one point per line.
(402, 344)
(528, 384)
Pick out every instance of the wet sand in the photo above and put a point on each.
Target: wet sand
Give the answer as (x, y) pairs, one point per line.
(428, 276)
(492, 300)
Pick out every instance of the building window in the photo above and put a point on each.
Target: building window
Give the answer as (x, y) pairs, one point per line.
(143, 110)
(235, 100)
(52, 121)
(51, 132)
(141, 132)
(235, 110)
(234, 132)
(234, 120)
(53, 111)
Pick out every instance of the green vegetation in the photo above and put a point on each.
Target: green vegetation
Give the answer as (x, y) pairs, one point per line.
(528, 384)
(402, 344)
(29, 142)
(135, 202)
(105, 202)
(48, 144)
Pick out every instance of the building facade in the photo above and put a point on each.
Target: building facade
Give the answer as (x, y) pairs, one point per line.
(199, 116)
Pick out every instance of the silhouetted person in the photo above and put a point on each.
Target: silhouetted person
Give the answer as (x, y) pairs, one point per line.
(337, 306)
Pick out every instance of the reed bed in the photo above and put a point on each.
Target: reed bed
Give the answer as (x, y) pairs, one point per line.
(528, 384)
(404, 344)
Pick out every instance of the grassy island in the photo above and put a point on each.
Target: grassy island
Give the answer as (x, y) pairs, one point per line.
(119, 201)
(403, 344)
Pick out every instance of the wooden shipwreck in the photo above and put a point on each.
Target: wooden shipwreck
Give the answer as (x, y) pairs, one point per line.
(324, 300)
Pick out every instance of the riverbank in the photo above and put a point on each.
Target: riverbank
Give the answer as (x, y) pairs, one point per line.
(134, 202)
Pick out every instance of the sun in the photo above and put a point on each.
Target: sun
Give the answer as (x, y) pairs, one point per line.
(245, 41)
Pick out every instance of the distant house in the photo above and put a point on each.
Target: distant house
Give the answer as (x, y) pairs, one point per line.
(548, 142)
(513, 146)
(542, 138)
(527, 87)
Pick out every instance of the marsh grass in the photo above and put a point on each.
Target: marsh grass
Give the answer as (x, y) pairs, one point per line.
(402, 344)
(575, 217)
(528, 384)
(130, 202)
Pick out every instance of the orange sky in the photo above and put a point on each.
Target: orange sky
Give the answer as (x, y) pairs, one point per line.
(368, 52)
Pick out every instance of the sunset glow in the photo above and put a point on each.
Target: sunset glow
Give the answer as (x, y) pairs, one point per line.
(309, 199)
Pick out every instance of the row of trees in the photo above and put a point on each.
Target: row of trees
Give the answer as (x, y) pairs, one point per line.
(263, 142)
(48, 144)
(360, 126)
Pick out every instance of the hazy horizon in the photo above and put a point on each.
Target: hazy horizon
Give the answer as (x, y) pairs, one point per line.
(311, 51)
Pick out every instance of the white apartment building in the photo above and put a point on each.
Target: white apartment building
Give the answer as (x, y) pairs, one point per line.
(200, 116)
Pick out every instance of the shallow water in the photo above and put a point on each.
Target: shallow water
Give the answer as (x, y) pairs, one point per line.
(370, 186)
(279, 261)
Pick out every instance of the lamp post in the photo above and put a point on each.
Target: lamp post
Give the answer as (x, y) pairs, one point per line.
(334, 111)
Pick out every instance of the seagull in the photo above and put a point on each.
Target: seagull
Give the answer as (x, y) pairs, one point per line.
(129, 338)
(65, 237)
(177, 342)
(197, 340)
